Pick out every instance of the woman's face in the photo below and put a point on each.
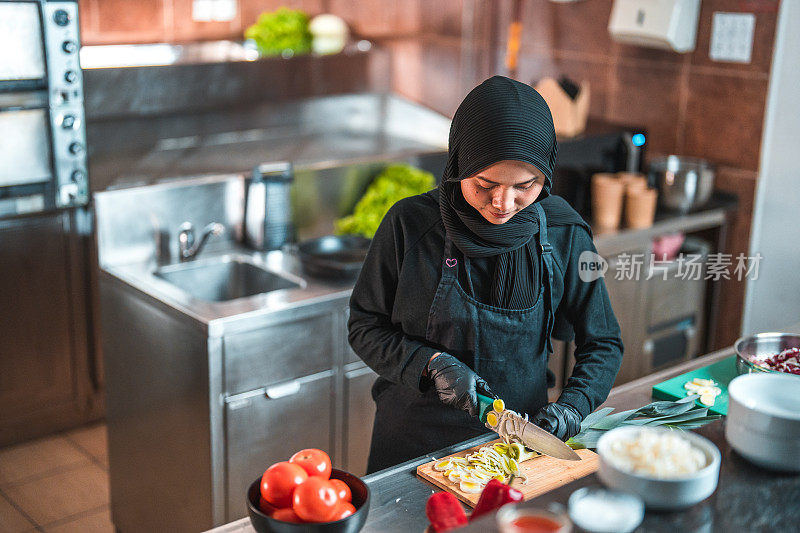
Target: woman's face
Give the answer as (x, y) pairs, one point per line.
(503, 189)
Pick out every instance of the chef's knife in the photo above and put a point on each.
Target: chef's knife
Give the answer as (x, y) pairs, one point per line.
(531, 435)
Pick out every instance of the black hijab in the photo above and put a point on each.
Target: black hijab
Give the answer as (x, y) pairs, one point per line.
(500, 119)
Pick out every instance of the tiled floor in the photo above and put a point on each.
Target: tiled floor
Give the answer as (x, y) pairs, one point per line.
(56, 484)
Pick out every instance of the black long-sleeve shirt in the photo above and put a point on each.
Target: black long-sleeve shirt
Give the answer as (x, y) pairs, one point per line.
(392, 297)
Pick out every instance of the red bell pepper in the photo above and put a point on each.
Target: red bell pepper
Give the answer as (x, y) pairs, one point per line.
(445, 512)
(495, 495)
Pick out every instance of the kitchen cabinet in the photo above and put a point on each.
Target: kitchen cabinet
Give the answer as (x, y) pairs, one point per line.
(359, 415)
(626, 301)
(270, 425)
(45, 375)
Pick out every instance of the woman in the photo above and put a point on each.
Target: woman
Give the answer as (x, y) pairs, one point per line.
(463, 285)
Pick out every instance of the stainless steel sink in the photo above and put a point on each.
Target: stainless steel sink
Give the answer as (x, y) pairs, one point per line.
(224, 278)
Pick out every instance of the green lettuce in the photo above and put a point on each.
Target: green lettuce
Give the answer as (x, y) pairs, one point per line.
(394, 183)
(280, 32)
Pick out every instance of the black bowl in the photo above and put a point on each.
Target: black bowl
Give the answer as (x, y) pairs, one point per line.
(352, 524)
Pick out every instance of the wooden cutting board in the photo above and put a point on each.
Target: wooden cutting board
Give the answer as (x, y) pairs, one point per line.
(544, 474)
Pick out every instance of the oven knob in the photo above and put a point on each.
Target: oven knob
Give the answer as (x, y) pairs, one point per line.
(61, 17)
(70, 76)
(77, 176)
(68, 122)
(69, 47)
(75, 148)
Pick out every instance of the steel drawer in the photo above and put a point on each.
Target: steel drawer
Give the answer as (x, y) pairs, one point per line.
(359, 417)
(270, 424)
(281, 352)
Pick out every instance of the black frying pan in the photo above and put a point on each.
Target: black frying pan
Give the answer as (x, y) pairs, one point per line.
(333, 256)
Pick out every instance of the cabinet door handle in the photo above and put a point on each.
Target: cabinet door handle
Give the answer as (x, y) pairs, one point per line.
(282, 390)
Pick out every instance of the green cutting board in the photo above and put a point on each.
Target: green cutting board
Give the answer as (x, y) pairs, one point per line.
(722, 372)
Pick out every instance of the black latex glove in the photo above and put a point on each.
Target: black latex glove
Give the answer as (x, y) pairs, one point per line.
(456, 384)
(560, 419)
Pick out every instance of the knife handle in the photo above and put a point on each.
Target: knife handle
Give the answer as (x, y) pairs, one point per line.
(484, 407)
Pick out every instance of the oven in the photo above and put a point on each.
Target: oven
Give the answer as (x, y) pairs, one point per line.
(42, 124)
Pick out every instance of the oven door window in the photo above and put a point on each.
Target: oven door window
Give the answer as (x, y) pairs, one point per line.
(21, 42)
(25, 153)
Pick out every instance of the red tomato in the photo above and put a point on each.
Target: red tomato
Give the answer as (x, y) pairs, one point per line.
(286, 515)
(315, 500)
(315, 462)
(344, 510)
(342, 490)
(279, 481)
(266, 507)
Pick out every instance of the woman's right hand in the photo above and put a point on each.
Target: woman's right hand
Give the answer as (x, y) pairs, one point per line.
(456, 384)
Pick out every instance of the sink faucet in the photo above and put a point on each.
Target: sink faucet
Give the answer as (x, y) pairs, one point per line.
(186, 241)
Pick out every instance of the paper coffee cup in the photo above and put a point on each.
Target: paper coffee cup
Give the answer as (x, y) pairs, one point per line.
(640, 207)
(607, 199)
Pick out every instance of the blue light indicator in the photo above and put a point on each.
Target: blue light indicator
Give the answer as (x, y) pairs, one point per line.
(638, 139)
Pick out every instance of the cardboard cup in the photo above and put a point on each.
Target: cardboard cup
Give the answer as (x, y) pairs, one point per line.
(640, 207)
(607, 199)
(632, 180)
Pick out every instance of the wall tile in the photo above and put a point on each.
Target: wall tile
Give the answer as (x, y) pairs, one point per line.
(534, 65)
(647, 95)
(122, 21)
(88, 18)
(724, 119)
(763, 38)
(578, 26)
(643, 53)
(406, 67)
(441, 75)
(380, 18)
(442, 18)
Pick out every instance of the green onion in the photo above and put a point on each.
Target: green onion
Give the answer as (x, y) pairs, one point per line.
(682, 414)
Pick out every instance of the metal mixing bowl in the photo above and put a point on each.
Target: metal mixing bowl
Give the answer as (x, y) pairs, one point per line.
(683, 182)
(762, 344)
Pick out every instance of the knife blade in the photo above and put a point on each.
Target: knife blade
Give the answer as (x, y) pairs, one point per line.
(545, 442)
(528, 433)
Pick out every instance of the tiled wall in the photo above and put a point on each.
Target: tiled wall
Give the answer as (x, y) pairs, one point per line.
(690, 104)
(146, 21)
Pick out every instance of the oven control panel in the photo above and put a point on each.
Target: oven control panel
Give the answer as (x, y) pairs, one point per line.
(65, 87)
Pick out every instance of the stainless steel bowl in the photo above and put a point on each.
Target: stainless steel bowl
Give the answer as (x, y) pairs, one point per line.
(683, 182)
(760, 345)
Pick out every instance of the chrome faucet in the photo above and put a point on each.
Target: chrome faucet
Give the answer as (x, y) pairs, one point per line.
(186, 241)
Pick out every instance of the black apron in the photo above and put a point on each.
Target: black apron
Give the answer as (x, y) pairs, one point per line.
(506, 347)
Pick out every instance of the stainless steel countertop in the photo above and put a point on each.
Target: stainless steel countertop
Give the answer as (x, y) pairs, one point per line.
(398, 496)
(241, 314)
(250, 312)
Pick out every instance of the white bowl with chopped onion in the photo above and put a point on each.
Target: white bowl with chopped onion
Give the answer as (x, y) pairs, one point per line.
(667, 468)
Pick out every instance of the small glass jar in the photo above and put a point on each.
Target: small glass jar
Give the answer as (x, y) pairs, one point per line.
(518, 519)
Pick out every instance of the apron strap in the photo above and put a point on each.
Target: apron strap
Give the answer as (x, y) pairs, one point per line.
(547, 262)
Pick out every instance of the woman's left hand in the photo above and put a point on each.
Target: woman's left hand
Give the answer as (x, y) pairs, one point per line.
(560, 419)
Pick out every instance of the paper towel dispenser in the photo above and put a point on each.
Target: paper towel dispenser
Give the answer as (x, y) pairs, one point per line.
(669, 24)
